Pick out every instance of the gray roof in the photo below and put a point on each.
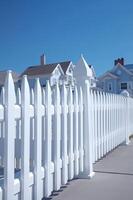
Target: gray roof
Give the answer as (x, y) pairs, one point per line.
(65, 65)
(129, 66)
(45, 69)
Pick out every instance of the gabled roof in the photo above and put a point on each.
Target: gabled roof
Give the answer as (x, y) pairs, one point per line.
(65, 65)
(39, 69)
(123, 67)
(129, 66)
(46, 69)
(108, 73)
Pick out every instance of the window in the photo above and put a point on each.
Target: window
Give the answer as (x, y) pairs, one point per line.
(102, 85)
(109, 86)
(123, 86)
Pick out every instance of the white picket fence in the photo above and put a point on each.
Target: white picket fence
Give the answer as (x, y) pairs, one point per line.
(48, 137)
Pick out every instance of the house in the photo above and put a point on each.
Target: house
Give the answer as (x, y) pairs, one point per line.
(55, 72)
(61, 72)
(83, 71)
(119, 79)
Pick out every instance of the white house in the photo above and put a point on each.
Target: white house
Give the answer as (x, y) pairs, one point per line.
(119, 79)
(83, 71)
(61, 72)
(55, 72)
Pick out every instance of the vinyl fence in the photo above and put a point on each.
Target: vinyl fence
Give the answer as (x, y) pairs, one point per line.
(49, 136)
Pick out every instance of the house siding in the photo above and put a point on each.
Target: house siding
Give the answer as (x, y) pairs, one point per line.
(120, 76)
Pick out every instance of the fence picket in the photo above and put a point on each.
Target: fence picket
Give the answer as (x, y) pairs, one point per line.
(2, 99)
(48, 145)
(57, 138)
(64, 135)
(76, 133)
(95, 125)
(32, 131)
(18, 133)
(38, 141)
(25, 138)
(70, 136)
(9, 140)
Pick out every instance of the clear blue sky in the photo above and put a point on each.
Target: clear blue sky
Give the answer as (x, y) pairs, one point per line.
(63, 29)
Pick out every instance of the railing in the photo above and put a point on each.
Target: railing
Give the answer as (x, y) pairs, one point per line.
(49, 137)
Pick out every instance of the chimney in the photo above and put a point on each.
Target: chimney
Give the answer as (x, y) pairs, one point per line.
(42, 59)
(120, 61)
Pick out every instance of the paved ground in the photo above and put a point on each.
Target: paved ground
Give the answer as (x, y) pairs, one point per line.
(113, 179)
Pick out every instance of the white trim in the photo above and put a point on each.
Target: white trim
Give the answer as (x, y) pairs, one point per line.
(108, 74)
(124, 88)
(59, 67)
(121, 66)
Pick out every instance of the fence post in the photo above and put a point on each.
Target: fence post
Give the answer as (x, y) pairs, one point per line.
(10, 100)
(88, 165)
(81, 148)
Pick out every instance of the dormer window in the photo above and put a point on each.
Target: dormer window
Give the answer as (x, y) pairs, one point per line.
(119, 72)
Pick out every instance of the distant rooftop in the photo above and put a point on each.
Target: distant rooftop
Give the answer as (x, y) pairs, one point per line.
(129, 66)
(44, 68)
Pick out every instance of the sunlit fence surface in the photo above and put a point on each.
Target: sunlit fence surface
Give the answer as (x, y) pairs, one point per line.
(49, 136)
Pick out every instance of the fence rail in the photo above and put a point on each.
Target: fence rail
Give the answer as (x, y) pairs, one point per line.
(49, 136)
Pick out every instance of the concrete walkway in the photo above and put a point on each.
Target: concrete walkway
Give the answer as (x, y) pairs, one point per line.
(113, 179)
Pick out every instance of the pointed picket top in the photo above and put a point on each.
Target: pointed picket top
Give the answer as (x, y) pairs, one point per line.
(18, 96)
(10, 96)
(37, 93)
(64, 94)
(48, 98)
(32, 96)
(82, 63)
(25, 91)
(2, 95)
(57, 94)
